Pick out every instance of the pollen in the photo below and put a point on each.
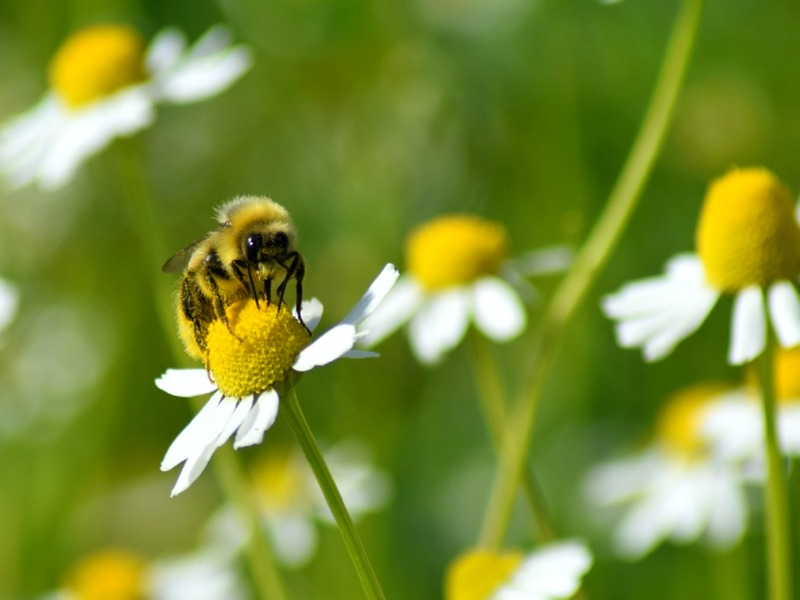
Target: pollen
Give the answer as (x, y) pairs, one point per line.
(455, 250)
(278, 480)
(476, 575)
(747, 233)
(97, 61)
(108, 575)
(256, 349)
(678, 426)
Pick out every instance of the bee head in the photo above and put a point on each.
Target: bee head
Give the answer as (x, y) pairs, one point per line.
(266, 247)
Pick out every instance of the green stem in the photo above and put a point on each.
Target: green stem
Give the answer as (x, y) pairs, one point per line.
(225, 465)
(492, 398)
(355, 548)
(592, 257)
(779, 570)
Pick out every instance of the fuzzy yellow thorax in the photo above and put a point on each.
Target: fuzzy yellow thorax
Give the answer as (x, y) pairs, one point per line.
(96, 62)
(279, 480)
(747, 233)
(108, 575)
(477, 574)
(455, 250)
(257, 348)
(679, 423)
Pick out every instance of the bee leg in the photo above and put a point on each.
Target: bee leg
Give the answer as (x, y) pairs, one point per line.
(219, 305)
(299, 275)
(268, 290)
(248, 283)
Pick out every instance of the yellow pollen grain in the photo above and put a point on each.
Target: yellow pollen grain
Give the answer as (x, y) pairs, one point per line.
(257, 348)
(478, 574)
(747, 233)
(108, 575)
(455, 250)
(678, 425)
(278, 480)
(96, 62)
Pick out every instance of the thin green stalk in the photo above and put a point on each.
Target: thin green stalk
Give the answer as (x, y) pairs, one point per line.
(493, 403)
(592, 257)
(225, 465)
(779, 570)
(291, 410)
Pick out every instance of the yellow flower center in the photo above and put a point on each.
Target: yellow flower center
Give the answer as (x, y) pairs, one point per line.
(678, 426)
(278, 480)
(108, 575)
(96, 62)
(747, 233)
(476, 575)
(455, 250)
(255, 350)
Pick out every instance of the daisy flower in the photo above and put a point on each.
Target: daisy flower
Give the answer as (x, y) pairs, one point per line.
(262, 351)
(548, 573)
(748, 247)
(9, 303)
(458, 271)
(675, 488)
(104, 82)
(735, 424)
(116, 574)
(291, 503)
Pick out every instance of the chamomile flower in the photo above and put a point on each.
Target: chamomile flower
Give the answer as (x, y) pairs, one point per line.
(458, 271)
(116, 574)
(735, 424)
(748, 247)
(292, 505)
(548, 573)
(675, 488)
(104, 82)
(261, 352)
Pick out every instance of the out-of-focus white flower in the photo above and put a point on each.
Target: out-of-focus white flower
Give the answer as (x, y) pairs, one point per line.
(260, 350)
(9, 303)
(748, 244)
(115, 574)
(292, 504)
(105, 83)
(550, 572)
(458, 272)
(675, 488)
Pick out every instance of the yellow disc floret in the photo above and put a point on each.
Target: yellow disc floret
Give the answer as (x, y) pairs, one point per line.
(257, 348)
(747, 234)
(96, 62)
(108, 575)
(455, 250)
(678, 426)
(787, 374)
(476, 575)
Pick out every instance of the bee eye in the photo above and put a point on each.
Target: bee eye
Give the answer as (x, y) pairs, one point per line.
(252, 246)
(281, 239)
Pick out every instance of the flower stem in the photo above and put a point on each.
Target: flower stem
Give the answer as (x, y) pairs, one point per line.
(225, 465)
(490, 391)
(779, 570)
(592, 257)
(352, 541)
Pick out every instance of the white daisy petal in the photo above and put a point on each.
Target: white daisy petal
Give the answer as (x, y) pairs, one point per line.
(165, 50)
(186, 383)
(553, 259)
(9, 302)
(201, 78)
(193, 435)
(728, 514)
(294, 538)
(312, 313)
(332, 344)
(440, 324)
(259, 419)
(784, 310)
(749, 329)
(236, 419)
(192, 468)
(360, 354)
(553, 571)
(499, 312)
(374, 295)
(400, 303)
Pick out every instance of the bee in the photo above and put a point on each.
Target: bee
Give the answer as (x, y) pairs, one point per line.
(253, 246)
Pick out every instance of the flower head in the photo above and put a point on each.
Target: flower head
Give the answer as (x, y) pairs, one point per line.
(676, 488)
(104, 83)
(548, 573)
(247, 377)
(748, 244)
(457, 270)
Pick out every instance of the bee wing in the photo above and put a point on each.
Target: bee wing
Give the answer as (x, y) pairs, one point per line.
(178, 262)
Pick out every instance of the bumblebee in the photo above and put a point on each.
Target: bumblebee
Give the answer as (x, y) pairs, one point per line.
(253, 246)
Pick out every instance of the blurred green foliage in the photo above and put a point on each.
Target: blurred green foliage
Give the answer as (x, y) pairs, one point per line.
(364, 118)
